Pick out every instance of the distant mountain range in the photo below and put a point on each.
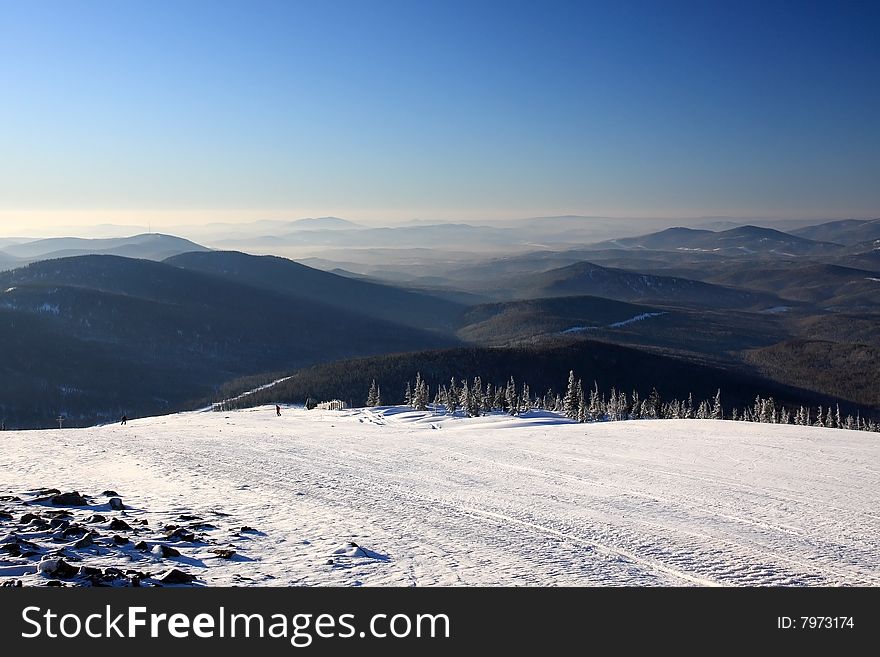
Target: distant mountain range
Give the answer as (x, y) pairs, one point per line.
(848, 231)
(149, 246)
(92, 328)
(743, 240)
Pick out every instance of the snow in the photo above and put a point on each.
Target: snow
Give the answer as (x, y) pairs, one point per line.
(637, 318)
(778, 309)
(871, 278)
(391, 496)
(631, 320)
(580, 329)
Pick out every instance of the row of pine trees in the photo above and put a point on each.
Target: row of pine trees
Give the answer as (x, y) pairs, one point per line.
(476, 398)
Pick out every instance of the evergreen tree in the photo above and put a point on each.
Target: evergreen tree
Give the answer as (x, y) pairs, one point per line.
(582, 403)
(704, 412)
(525, 403)
(596, 409)
(408, 395)
(717, 411)
(654, 407)
(500, 404)
(636, 406)
(452, 397)
(373, 395)
(420, 395)
(571, 398)
(689, 411)
(511, 398)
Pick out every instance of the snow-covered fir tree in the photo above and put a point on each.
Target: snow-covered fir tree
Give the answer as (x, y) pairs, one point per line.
(570, 402)
(373, 395)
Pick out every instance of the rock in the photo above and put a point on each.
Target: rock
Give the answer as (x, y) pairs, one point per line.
(59, 523)
(109, 493)
(120, 540)
(187, 516)
(181, 534)
(96, 518)
(329, 562)
(202, 526)
(4, 515)
(175, 576)
(119, 525)
(10, 498)
(223, 553)
(69, 499)
(28, 517)
(164, 551)
(350, 549)
(74, 530)
(135, 580)
(10, 549)
(113, 573)
(247, 529)
(84, 542)
(142, 546)
(116, 504)
(56, 568)
(54, 582)
(42, 492)
(89, 571)
(57, 513)
(38, 524)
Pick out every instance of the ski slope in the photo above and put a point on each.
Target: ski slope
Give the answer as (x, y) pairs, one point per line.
(431, 500)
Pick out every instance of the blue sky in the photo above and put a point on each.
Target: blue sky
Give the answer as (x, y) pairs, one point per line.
(394, 110)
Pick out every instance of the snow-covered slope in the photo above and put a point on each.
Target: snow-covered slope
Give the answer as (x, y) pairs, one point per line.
(398, 497)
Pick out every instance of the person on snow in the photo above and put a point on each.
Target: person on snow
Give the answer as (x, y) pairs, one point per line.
(277, 410)
(124, 419)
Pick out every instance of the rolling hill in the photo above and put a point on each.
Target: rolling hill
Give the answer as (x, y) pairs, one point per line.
(299, 282)
(149, 337)
(848, 231)
(586, 278)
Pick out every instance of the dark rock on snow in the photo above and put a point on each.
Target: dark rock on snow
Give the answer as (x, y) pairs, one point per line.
(164, 551)
(69, 499)
(119, 525)
(175, 576)
(223, 553)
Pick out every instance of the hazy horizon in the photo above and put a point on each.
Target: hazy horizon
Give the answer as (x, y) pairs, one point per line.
(167, 115)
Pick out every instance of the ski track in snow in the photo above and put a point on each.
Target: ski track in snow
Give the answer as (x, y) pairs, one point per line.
(496, 500)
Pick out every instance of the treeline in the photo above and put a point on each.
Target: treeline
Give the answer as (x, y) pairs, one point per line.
(475, 398)
(544, 367)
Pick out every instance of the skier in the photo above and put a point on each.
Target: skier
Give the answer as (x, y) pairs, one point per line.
(124, 419)
(277, 410)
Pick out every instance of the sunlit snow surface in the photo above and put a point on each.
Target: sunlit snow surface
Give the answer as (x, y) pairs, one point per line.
(432, 500)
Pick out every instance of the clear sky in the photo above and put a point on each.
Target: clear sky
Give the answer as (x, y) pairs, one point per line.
(197, 111)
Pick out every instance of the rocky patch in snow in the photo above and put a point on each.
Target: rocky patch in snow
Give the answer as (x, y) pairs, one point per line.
(54, 538)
